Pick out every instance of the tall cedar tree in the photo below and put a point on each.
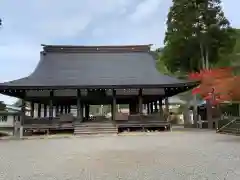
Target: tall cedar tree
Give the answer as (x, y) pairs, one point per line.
(196, 29)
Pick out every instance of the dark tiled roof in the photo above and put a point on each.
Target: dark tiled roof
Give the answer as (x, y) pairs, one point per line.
(86, 69)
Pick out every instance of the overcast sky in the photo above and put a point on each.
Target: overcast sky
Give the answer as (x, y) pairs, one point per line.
(29, 23)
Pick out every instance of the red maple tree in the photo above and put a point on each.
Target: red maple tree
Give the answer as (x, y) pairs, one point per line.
(217, 85)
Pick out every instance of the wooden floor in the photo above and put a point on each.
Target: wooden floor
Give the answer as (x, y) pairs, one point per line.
(98, 127)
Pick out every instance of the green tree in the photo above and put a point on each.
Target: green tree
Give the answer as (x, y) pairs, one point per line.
(197, 35)
(161, 67)
(235, 55)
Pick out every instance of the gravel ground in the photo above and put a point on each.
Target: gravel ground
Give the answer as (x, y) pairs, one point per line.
(179, 155)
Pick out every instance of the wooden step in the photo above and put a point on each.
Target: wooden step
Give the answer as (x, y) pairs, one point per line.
(79, 132)
(92, 133)
(139, 123)
(95, 128)
(94, 125)
(95, 131)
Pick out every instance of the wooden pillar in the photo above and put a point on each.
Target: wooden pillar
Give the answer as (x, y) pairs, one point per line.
(57, 110)
(195, 114)
(186, 115)
(23, 115)
(160, 109)
(87, 110)
(167, 106)
(32, 109)
(45, 110)
(114, 103)
(151, 107)
(61, 109)
(209, 114)
(39, 110)
(238, 110)
(83, 110)
(79, 106)
(51, 104)
(140, 101)
(65, 109)
(69, 109)
(134, 107)
(155, 107)
(148, 108)
(23, 108)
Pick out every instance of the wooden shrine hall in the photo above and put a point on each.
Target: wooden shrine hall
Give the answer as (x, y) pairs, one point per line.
(71, 78)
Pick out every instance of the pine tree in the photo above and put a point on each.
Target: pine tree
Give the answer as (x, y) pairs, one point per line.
(197, 35)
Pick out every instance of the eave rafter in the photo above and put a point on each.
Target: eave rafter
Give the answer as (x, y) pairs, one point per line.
(173, 91)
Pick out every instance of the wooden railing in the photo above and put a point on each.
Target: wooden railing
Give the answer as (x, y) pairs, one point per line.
(46, 120)
(228, 124)
(139, 117)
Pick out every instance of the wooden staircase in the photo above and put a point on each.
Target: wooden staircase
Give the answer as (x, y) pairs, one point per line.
(229, 126)
(95, 127)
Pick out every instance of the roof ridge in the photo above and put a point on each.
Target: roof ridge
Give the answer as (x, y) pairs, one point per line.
(92, 49)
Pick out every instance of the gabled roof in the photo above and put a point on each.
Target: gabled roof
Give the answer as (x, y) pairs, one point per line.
(95, 66)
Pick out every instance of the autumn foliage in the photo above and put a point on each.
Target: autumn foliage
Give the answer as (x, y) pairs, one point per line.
(217, 85)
